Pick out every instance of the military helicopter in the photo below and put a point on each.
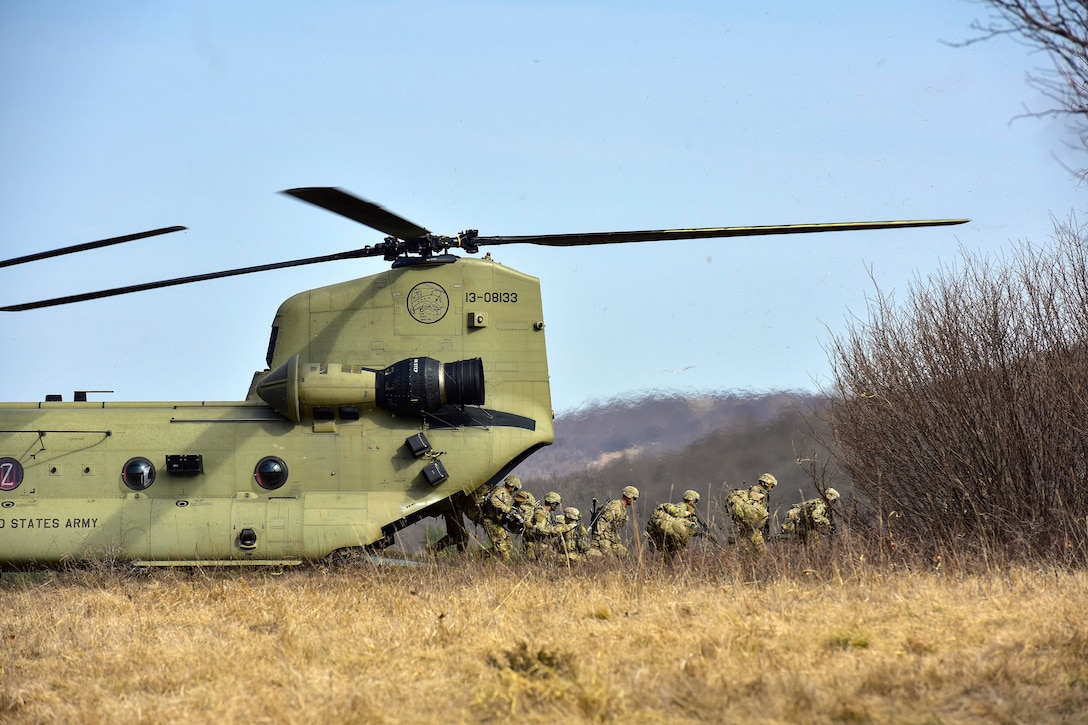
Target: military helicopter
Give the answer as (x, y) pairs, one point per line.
(385, 400)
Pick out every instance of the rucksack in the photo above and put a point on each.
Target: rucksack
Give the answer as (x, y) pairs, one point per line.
(669, 521)
(742, 508)
(476, 502)
(737, 504)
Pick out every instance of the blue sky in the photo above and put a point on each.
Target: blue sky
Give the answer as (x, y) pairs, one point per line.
(513, 118)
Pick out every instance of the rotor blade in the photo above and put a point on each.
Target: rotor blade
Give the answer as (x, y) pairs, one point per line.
(355, 254)
(89, 245)
(360, 210)
(574, 240)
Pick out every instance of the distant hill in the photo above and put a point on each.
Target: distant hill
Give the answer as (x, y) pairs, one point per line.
(666, 444)
(652, 426)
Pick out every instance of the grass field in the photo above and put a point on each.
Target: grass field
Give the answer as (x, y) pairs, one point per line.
(824, 637)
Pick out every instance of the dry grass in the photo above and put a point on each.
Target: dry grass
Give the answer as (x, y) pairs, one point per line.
(827, 639)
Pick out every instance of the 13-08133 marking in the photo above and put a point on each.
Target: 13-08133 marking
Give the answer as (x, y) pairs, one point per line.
(492, 297)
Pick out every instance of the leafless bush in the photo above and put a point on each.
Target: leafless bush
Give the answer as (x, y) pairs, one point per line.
(961, 413)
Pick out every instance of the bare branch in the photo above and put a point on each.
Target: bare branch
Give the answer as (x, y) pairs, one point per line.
(1058, 28)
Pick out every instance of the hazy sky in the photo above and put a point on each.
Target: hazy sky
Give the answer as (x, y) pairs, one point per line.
(514, 118)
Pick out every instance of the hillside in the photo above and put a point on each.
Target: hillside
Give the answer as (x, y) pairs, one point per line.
(664, 445)
(651, 426)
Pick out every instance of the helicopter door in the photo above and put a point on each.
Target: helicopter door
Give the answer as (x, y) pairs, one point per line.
(266, 529)
(135, 524)
(247, 530)
(284, 526)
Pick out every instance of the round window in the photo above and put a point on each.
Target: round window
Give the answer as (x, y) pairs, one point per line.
(270, 473)
(138, 473)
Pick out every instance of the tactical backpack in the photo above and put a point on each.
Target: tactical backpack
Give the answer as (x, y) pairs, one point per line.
(737, 504)
(476, 503)
(742, 508)
(668, 522)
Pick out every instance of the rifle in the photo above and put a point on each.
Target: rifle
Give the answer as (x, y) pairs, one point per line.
(767, 523)
(704, 527)
(704, 531)
(513, 522)
(595, 514)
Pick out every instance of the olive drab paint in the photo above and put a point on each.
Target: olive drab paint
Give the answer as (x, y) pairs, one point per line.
(348, 477)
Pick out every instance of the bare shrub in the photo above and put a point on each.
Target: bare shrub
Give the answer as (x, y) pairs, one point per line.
(961, 413)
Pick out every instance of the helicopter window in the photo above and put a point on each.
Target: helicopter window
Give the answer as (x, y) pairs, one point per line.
(138, 473)
(271, 345)
(270, 473)
(11, 474)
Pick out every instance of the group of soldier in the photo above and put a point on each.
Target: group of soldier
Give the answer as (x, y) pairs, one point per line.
(549, 530)
(508, 511)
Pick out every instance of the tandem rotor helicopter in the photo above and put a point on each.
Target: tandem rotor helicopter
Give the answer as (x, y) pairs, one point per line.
(386, 399)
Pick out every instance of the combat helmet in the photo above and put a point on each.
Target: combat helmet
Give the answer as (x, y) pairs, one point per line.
(831, 495)
(630, 492)
(522, 497)
(552, 498)
(691, 496)
(768, 481)
(513, 482)
(572, 514)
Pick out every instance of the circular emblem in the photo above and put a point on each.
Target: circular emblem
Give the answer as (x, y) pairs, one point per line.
(428, 303)
(11, 474)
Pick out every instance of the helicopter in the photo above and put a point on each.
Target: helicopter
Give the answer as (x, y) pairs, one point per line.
(385, 400)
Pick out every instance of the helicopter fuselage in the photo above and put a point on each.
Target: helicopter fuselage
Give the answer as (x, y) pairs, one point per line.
(384, 397)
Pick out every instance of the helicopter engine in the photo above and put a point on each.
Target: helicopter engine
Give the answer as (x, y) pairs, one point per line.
(423, 385)
(412, 386)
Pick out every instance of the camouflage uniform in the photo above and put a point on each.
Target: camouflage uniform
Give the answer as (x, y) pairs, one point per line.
(749, 512)
(541, 532)
(672, 525)
(575, 541)
(606, 530)
(497, 512)
(808, 520)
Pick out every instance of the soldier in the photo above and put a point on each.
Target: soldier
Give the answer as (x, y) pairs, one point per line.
(576, 541)
(541, 532)
(808, 520)
(610, 522)
(749, 511)
(456, 533)
(672, 525)
(498, 512)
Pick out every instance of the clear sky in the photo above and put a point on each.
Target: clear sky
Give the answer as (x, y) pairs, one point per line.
(518, 117)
